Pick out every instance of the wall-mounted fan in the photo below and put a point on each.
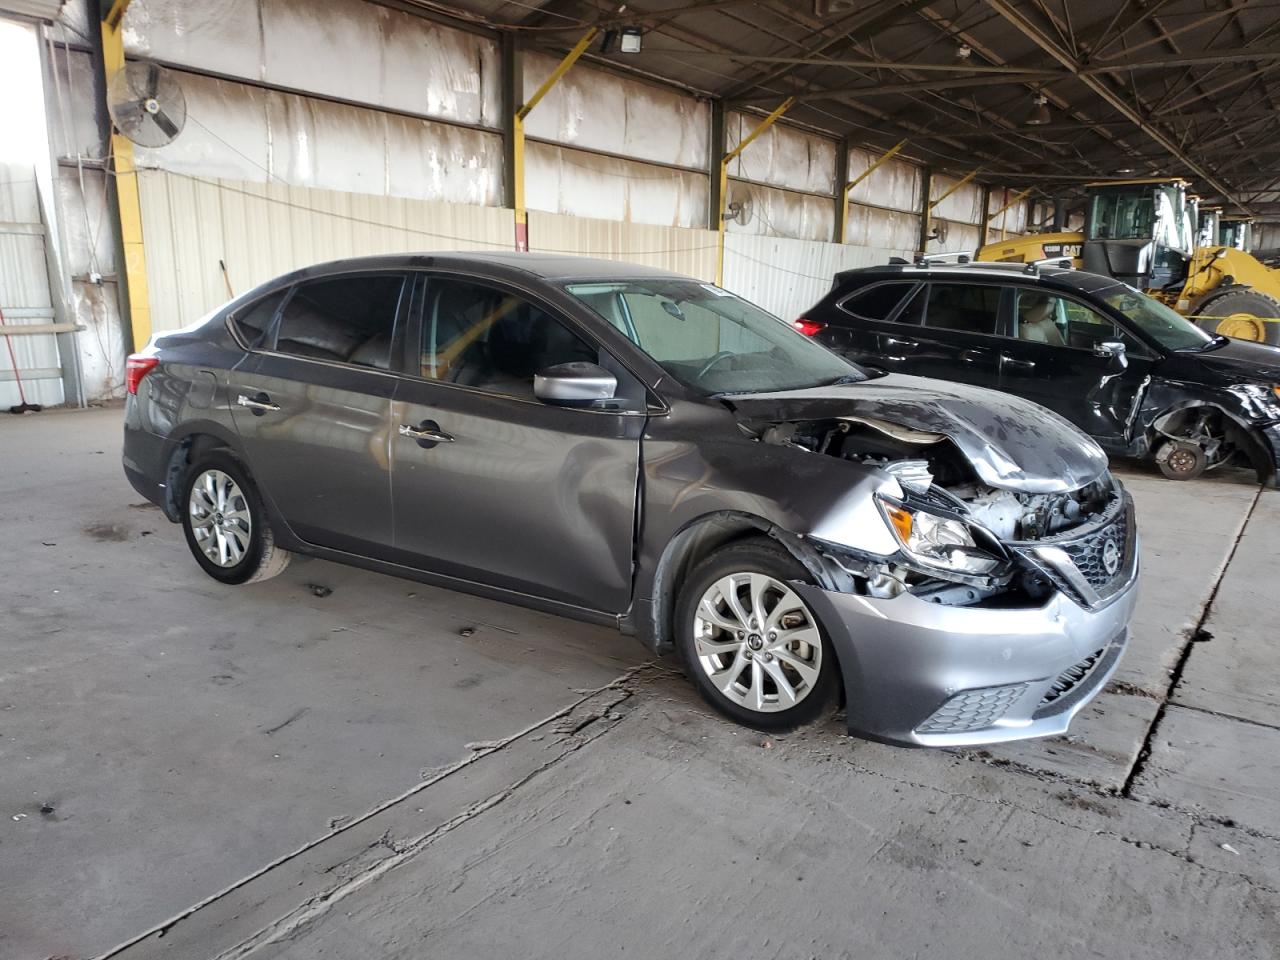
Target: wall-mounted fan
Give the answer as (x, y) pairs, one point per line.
(146, 104)
(740, 211)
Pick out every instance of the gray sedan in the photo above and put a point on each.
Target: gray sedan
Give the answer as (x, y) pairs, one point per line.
(636, 448)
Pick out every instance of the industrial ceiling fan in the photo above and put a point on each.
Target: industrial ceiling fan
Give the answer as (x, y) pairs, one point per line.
(146, 104)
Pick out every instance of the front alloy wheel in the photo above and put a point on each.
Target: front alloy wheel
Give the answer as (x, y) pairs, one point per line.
(757, 642)
(752, 646)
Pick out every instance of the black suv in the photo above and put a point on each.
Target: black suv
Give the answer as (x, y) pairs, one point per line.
(1126, 369)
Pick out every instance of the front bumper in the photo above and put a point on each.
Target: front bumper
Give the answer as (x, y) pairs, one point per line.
(926, 674)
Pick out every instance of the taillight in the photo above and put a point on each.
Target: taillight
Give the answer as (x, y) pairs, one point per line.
(137, 367)
(806, 326)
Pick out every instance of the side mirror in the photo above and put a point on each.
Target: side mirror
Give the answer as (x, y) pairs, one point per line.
(577, 382)
(1114, 350)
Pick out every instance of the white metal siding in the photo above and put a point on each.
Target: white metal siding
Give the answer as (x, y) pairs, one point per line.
(787, 276)
(263, 230)
(24, 288)
(691, 252)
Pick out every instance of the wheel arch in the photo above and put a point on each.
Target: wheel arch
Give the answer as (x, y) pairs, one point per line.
(1255, 445)
(701, 537)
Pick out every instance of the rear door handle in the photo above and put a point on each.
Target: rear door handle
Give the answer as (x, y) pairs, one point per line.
(905, 344)
(259, 403)
(427, 434)
(974, 356)
(1017, 364)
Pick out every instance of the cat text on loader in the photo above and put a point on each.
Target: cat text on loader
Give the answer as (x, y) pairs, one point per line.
(1144, 232)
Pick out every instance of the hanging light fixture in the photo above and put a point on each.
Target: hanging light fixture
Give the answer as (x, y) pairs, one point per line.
(1039, 114)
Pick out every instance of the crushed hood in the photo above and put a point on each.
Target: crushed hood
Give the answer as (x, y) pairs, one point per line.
(1013, 444)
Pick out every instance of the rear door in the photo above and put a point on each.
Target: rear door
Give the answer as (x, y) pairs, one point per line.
(312, 405)
(515, 493)
(1054, 356)
(862, 325)
(955, 336)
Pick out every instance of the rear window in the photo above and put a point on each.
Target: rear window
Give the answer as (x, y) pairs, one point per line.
(878, 301)
(343, 320)
(968, 307)
(254, 321)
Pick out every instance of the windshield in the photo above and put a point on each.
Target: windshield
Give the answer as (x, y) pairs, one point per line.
(1170, 330)
(712, 341)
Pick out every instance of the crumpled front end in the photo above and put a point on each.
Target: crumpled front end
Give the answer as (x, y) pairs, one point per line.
(963, 612)
(925, 672)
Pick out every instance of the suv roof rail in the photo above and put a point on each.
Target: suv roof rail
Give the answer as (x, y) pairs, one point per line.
(1032, 269)
(921, 260)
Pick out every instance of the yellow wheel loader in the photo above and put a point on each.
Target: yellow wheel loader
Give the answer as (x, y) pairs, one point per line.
(1145, 233)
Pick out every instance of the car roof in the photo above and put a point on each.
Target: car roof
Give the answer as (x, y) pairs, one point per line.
(1059, 277)
(544, 266)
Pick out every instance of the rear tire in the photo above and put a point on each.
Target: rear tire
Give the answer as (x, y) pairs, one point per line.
(1239, 311)
(753, 648)
(226, 525)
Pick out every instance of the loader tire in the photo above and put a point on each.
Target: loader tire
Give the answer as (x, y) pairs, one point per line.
(1245, 314)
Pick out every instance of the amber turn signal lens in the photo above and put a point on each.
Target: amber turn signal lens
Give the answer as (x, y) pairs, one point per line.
(901, 520)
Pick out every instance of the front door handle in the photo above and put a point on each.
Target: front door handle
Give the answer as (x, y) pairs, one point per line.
(259, 403)
(974, 356)
(905, 344)
(1016, 364)
(427, 433)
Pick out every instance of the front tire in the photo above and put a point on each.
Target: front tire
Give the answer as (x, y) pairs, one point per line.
(752, 646)
(225, 524)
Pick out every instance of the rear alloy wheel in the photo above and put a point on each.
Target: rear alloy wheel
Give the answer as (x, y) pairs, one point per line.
(1181, 460)
(752, 646)
(1243, 314)
(225, 525)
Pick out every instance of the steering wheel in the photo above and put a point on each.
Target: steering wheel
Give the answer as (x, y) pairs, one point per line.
(722, 355)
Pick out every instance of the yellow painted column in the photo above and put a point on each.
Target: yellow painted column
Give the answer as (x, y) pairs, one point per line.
(134, 268)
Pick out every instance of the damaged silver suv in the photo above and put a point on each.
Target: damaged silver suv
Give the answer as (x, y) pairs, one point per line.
(632, 447)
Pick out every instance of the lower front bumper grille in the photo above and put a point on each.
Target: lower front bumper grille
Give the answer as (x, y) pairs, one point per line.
(1070, 678)
(973, 709)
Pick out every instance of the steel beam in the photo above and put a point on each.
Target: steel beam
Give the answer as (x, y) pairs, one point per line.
(517, 135)
(128, 204)
(728, 158)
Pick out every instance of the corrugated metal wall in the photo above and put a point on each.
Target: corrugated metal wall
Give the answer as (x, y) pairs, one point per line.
(24, 289)
(262, 230)
(691, 252)
(787, 276)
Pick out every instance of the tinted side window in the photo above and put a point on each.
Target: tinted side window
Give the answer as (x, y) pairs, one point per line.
(970, 307)
(253, 322)
(346, 319)
(482, 337)
(876, 302)
(1058, 321)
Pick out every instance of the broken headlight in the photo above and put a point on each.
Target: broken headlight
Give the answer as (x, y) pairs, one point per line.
(942, 543)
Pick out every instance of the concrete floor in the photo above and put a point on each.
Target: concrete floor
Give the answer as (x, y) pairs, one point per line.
(397, 771)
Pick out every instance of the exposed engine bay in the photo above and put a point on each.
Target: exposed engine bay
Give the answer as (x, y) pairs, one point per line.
(964, 554)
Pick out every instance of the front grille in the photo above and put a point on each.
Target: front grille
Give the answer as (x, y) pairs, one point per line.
(973, 709)
(1070, 678)
(1088, 552)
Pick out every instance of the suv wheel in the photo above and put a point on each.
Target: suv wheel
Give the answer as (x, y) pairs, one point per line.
(225, 524)
(752, 646)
